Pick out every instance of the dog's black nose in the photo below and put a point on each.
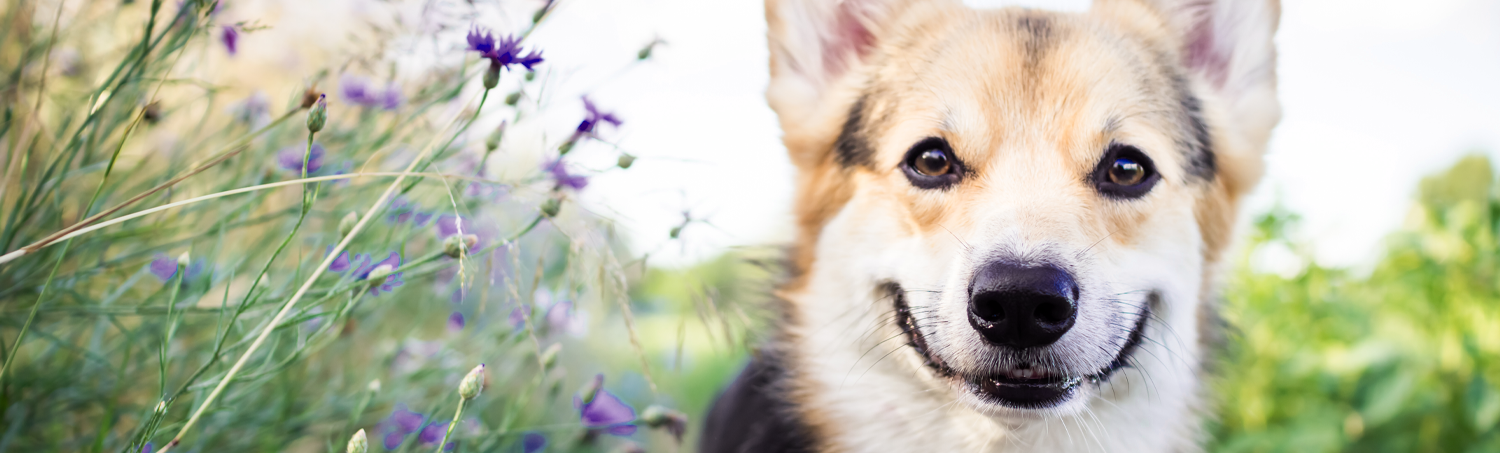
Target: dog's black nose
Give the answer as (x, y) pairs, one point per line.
(1021, 306)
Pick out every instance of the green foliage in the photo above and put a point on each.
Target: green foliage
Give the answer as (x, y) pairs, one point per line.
(1404, 357)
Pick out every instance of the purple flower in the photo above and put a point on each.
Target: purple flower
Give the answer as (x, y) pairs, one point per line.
(253, 110)
(605, 411)
(339, 264)
(421, 219)
(504, 52)
(400, 211)
(391, 282)
(164, 267)
(592, 117)
(399, 424)
(533, 442)
(291, 158)
(455, 322)
(148, 448)
(560, 175)
(231, 39)
(359, 92)
(449, 224)
(432, 434)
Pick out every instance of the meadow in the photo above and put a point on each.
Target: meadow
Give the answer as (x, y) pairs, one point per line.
(394, 252)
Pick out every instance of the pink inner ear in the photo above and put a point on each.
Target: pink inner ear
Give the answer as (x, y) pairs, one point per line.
(850, 38)
(1204, 54)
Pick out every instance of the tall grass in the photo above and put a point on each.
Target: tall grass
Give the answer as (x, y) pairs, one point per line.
(187, 271)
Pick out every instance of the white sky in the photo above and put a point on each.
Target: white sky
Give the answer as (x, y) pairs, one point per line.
(1376, 93)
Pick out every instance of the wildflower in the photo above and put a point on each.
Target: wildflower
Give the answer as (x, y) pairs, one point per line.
(449, 224)
(339, 263)
(390, 281)
(561, 176)
(420, 219)
(358, 443)
(502, 53)
(374, 386)
(562, 317)
(517, 318)
(660, 417)
(163, 267)
(183, 260)
(318, 115)
(401, 423)
(433, 433)
(593, 117)
(292, 158)
(472, 383)
(600, 409)
(358, 91)
(231, 39)
(148, 448)
(346, 225)
(400, 210)
(455, 322)
(533, 442)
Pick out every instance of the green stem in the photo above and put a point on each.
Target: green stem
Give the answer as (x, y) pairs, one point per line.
(456, 414)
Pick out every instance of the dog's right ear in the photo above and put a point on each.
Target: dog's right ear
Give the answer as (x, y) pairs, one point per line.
(818, 48)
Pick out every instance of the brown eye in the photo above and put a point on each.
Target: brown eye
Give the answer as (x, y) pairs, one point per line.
(932, 163)
(1126, 172)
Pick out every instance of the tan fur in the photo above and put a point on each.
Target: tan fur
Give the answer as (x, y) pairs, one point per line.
(1028, 101)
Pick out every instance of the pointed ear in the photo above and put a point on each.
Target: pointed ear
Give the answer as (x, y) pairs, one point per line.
(817, 50)
(1228, 45)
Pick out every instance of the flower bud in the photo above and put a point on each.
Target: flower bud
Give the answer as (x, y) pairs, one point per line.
(549, 355)
(378, 275)
(374, 386)
(183, 260)
(530, 75)
(537, 17)
(591, 389)
(673, 422)
(346, 225)
(493, 141)
(551, 207)
(358, 443)
(492, 75)
(472, 383)
(318, 116)
(676, 231)
(457, 246)
(513, 98)
(625, 160)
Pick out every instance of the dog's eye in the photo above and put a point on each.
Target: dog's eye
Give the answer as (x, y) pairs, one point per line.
(1125, 172)
(930, 164)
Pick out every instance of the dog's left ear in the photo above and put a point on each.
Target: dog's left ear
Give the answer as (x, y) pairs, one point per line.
(1228, 45)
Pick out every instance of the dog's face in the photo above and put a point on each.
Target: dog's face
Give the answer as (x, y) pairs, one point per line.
(1031, 196)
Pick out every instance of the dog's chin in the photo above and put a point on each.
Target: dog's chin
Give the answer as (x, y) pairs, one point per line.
(1023, 392)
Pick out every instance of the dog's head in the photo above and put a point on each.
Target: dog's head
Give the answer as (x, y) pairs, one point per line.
(1028, 193)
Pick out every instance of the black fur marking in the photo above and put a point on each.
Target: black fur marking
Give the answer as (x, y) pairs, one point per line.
(753, 415)
(1199, 147)
(853, 147)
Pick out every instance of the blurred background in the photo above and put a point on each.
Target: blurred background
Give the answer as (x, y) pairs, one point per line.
(1364, 300)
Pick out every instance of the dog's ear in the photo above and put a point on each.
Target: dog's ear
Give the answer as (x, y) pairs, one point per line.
(1228, 46)
(818, 48)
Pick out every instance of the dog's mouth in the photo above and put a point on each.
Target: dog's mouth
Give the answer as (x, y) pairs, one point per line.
(1026, 385)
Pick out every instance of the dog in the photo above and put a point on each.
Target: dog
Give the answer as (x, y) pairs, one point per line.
(1009, 223)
